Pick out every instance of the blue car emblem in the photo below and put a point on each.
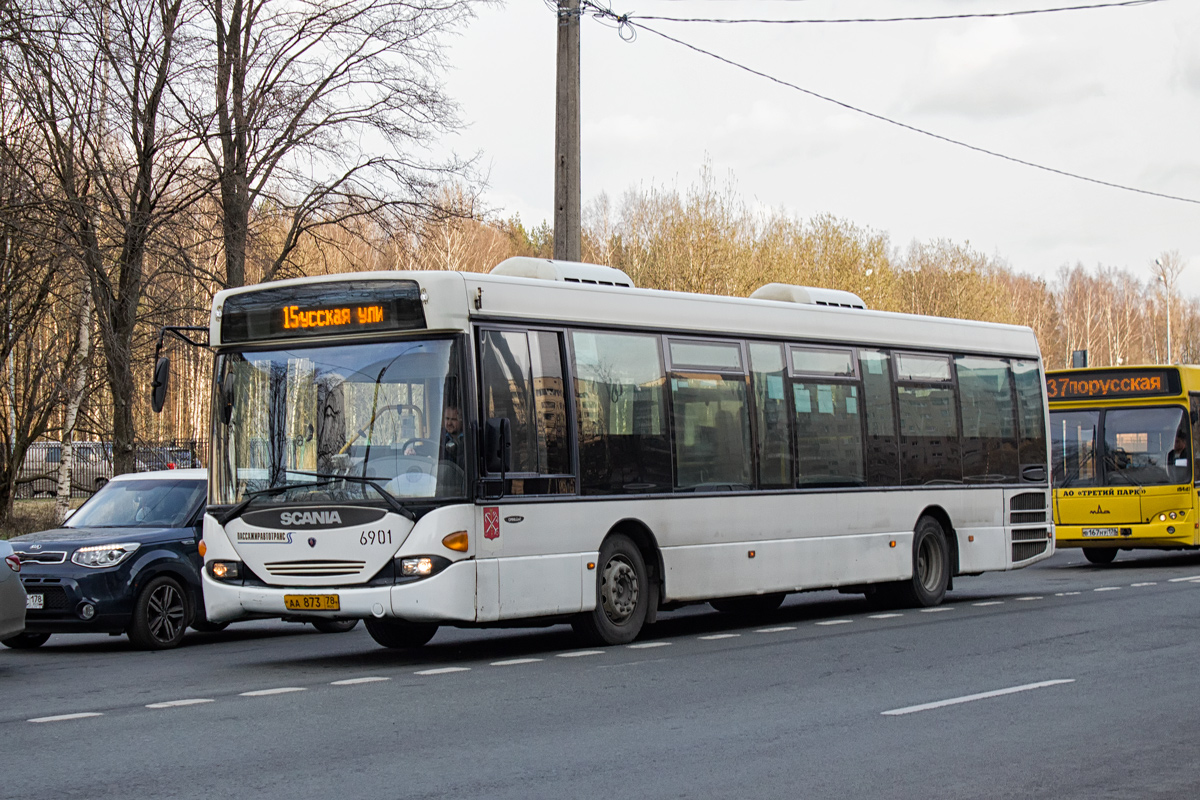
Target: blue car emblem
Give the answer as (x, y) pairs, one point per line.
(312, 541)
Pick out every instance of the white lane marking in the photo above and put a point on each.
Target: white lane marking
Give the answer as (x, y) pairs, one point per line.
(648, 645)
(1031, 597)
(935, 610)
(972, 697)
(833, 622)
(280, 690)
(65, 717)
(715, 636)
(442, 670)
(780, 629)
(886, 616)
(989, 603)
(1189, 578)
(1107, 589)
(581, 653)
(357, 681)
(194, 701)
(1145, 583)
(1071, 594)
(512, 662)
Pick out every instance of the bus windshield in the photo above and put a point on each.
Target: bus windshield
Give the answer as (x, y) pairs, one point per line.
(339, 422)
(1141, 447)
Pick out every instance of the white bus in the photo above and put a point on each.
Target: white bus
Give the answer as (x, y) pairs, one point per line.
(546, 442)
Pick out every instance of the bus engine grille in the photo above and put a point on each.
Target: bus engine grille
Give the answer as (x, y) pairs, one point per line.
(314, 569)
(1029, 543)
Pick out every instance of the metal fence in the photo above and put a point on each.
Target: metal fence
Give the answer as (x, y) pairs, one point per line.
(93, 466)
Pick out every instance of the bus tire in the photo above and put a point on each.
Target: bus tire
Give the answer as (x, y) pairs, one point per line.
(335, 625)
(622, 595)
(931, 567)
(755, 605)
(399, 634)
(1100, 555)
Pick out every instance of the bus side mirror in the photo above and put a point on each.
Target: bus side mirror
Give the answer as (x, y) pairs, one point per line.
(497, 445)
(158, 386)
(1034, 472)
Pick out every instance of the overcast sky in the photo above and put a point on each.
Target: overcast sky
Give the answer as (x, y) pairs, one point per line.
(1111, 94)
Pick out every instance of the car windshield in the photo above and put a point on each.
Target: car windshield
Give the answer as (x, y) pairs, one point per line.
(339, 422)
(140, 503)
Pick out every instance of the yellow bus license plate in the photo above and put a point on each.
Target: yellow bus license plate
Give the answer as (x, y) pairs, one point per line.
(312, 602)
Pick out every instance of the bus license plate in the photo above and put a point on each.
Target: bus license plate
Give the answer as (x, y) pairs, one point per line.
(1099, 531)
(312, 602)
(35, 601)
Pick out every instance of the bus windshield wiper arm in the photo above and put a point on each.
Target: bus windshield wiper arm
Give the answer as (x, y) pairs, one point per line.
(236, 511)
(387, 496)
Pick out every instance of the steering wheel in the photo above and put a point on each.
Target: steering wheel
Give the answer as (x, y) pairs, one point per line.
(421, 447)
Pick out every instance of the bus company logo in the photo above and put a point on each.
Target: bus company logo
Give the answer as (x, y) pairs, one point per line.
(491, 522)
(1100, 510)
(297, 518)
(264, 537)
(312, 541)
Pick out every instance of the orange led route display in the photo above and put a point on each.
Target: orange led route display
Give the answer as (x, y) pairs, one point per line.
(1113, 384)
(295, 318)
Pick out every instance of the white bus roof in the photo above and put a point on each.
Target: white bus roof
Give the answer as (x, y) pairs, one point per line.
(453, 299)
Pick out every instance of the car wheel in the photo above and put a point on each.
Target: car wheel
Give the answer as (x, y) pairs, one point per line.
(931, 567)
(622, 592)
(25, 641)
(750, 606)
(399, 634)
(335, 625)
(160, 615)
(1100, 555)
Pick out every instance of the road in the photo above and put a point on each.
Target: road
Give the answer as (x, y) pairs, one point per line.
(1064, 680)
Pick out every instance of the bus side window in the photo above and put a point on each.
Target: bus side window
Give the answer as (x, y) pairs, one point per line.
(1030, 388)
(989, 420)
(1195, 421)
(883, 456)
(929, 433)
(506, 383)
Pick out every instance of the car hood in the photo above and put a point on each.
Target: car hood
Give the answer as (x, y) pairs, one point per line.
(86, 536)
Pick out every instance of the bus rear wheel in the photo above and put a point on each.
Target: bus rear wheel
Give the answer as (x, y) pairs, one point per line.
(1100, 555)
(399, 634)
(931, 567)
(622, 595)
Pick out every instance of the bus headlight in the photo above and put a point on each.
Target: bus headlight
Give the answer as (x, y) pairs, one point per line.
(413, 567)
(225, 570)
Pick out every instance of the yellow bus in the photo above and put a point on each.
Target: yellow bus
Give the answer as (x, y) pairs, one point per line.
(1122, 441)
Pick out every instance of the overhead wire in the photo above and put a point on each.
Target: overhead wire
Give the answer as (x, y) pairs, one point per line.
(627, 28)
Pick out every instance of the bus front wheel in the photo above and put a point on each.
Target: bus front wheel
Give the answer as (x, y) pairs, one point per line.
(1100, 555)
(931, 566)
(398, 634)
(622, 595)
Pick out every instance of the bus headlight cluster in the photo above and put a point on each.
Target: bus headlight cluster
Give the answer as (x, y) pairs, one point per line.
(225, 570)
(412, 567)
(103, 555)
(1172, 514)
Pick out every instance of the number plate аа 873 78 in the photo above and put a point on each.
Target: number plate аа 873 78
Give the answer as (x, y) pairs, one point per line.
(312, 602)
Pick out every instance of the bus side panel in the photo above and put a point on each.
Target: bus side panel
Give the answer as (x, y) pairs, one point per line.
(536, 585)
(447, 597)
(988, 551)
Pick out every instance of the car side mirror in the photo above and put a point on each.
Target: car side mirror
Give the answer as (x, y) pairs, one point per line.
(158, 386)
(497, 445)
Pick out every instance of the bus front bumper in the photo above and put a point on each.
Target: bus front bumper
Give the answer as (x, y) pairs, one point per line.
(1171, 533)
(446, 597)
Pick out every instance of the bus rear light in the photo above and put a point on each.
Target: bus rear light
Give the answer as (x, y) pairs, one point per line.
(456, 541)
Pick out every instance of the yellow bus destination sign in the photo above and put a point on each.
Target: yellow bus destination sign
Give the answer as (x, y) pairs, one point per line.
(322, 309)
(1112, 384)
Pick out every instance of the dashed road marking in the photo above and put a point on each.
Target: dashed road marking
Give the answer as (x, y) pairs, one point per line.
(512, 662)
(1107, 589)
(357, 681)
(779, 629)
(195, 701)
(580, 653)
(442, 670)
(1031, 597)
(1189, 578)
(65, 717)
(714, 636)
(1145, 583)
(831, 622)
(889, 615)
(989, 603)
(280, 690)
(936, 609)
(1071, 594)
(972, 697)
(648, 645)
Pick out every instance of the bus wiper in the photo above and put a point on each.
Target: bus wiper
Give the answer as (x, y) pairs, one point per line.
(322, 479)
(387, 496)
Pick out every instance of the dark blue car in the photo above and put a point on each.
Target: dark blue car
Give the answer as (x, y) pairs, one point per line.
(126, 562)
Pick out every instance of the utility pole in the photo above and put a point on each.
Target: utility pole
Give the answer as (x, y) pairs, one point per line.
(567, 217)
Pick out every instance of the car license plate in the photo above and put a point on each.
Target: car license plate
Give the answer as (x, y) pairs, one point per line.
(1099, 531)
(312, 602)
(35, 601)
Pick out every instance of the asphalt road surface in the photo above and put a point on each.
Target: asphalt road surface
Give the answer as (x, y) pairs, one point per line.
(1064, 680)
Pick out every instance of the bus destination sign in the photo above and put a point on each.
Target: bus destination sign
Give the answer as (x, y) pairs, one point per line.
(322, 309)
(1112, 384)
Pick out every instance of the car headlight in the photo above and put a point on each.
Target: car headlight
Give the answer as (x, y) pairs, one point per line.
(103, 555)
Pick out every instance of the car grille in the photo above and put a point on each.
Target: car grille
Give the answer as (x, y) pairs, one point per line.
(43, 556)
(314, 568)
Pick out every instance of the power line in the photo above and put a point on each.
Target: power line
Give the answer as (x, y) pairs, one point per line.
(628, 30)
(931, 18)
